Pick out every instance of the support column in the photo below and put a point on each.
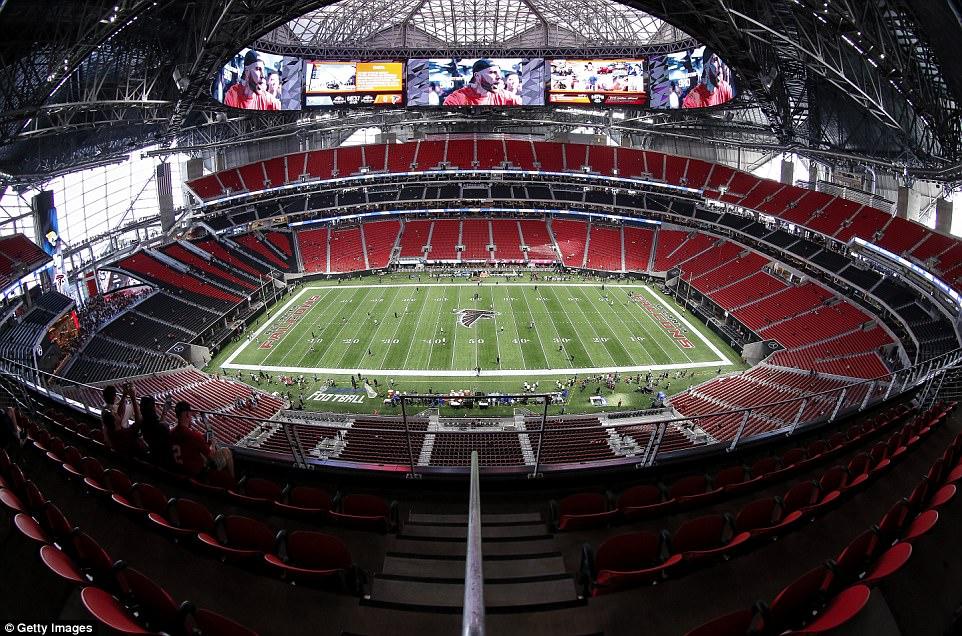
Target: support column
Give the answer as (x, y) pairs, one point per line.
(788, 172)
(907, 205)
(943, 216)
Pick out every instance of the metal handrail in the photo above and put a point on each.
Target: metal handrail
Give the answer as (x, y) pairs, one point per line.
(836, 402)
(472, 618)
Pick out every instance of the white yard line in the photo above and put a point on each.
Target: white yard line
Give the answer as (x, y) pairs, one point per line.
(349, 321)
(454, 334)
(537, 332)
(571, 322)
(372, 341)
(317, 320)
(497, 336)
(625, 345)
(594, 331)
(417, 325)
(441, 301)
(400, 320)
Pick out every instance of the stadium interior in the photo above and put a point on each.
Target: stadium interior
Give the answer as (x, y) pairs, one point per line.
(568, 317)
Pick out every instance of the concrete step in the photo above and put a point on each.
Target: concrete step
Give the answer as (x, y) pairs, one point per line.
(459, 533)
(498, 597)
(490, 549)
(486, 519)
(453, 569)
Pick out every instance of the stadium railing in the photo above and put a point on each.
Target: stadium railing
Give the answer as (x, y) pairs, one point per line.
(472, 621)
(410, 434)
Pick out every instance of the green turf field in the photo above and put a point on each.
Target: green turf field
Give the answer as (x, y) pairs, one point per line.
(435, 335)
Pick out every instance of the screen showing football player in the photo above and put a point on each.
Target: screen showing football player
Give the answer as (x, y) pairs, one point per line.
(250, 91)
(486, 88)
(713, 87)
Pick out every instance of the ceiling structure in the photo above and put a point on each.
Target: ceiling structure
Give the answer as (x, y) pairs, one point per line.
(846, 81)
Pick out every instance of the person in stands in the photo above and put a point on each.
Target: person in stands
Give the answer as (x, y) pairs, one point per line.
(191, 450)
(156, 434)
(118, 435)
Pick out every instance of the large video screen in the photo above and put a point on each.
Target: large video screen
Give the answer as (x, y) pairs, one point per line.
(260, 81)
(352, 83)
(696, 78)
(456, 82)
(598, 82)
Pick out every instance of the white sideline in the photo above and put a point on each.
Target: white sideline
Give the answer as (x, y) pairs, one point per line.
(460, 373)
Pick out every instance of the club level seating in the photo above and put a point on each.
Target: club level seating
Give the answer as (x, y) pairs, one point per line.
(313, 247)
(571, 237)
(475, 237)
(605, 249)
(347, 253)
(18, 337)
(507, 240)
(535, 235)
(444, 240)
(178, 283)
(379, 239)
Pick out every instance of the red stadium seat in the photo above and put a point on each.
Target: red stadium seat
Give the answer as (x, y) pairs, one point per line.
(254, 491)
(643, 500)
(143, 498)
(155, 607)
(304, 501)
(365, 512)
(582, 511)
(798, 600)
(840, 610)
(239, 539)
(185, 518)
(705, 537)
(315, 557)
(108, 611)
(628, 560)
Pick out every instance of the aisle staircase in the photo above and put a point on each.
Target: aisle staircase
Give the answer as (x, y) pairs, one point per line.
(424, 565)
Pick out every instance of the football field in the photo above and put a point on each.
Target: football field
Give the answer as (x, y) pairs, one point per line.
(398, 327)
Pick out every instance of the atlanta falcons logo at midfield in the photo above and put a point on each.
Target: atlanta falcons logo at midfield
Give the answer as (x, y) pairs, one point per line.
(468, 317)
